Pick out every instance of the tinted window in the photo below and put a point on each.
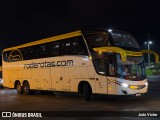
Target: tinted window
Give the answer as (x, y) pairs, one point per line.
(79, 46)
(124, 39)
(105, 64)
(5, 56)
(97, 40)
(1, 61)
(70, 46)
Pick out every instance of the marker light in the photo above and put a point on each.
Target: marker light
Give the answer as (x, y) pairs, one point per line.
(1, 81)
(90, 57)
(125, 85)
(146, 83)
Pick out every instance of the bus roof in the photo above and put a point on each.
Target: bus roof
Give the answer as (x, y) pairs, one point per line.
(45, 40)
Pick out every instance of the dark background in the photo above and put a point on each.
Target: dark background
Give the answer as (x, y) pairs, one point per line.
(24, 21)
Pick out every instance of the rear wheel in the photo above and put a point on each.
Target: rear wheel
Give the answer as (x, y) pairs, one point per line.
(1, 86)
(26, 88)
(86, 92)
(19, 88)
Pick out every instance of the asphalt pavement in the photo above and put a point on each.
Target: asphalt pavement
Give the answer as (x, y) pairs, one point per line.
(11, 101)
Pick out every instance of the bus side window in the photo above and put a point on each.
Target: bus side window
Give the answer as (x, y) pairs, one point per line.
(111, 63)
(23, 51)
(5, 56)
(97, 40)
(66, 48)
(30, 52)
(79, 46)
(101, 66)
(48, 49)
(111, 69)
(56, 48)
(42, 51)
(26, 53)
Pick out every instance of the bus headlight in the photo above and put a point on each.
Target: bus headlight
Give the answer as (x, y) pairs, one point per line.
(146, 83)
(125, 85)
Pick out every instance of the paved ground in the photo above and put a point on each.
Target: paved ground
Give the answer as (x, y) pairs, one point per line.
(11, 101)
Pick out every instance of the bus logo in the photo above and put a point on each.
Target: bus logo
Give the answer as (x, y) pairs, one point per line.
(46, 64)
(15, 55)
(131, 53)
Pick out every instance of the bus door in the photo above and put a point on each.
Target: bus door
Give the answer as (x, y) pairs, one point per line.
(111, 85)
(100, 77)
(111, 73)
(105, 78)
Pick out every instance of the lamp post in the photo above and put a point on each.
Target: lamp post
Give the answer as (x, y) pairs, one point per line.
(148, 44)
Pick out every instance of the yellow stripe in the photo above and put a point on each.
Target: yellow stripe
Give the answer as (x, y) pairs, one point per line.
(50, 39)
(112, 49)
(121, 51)
(151, 52)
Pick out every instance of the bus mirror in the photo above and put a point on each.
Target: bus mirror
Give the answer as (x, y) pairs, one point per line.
(151, 52)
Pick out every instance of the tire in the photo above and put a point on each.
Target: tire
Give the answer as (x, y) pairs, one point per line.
(19, 88)
(86, 92)
(1, 86)
(26, 88)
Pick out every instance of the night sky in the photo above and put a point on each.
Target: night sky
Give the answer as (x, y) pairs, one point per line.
(24, 21)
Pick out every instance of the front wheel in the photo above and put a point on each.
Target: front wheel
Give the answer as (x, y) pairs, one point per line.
(86, 92)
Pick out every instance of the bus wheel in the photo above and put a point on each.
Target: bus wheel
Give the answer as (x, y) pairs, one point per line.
(19, 88)
(26, 88)
(86, 92)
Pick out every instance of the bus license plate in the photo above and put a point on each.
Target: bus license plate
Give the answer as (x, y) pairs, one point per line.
(138, 94)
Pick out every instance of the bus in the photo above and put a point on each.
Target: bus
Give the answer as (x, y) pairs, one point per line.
(95, 61)
(1, 81)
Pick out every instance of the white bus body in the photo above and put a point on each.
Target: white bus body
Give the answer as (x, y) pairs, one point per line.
(69, 73)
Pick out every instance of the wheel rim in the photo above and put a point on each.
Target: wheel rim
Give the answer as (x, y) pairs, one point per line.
(18, 88)
(26, 88)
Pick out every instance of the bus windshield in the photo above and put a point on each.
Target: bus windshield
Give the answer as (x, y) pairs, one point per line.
(132, 69)
(123, 39)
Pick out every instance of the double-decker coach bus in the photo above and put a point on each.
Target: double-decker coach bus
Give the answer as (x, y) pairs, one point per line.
(1, 81)
(89, 62)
